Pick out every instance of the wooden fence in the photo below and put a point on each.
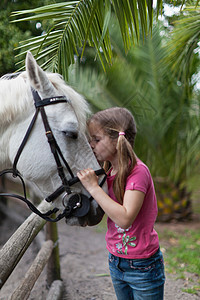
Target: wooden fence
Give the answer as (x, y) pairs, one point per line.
(16, 246)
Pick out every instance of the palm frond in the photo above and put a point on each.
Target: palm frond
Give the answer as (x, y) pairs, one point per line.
(78, 23)
(185, 39)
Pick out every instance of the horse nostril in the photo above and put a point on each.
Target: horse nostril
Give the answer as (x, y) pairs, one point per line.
(71, 134)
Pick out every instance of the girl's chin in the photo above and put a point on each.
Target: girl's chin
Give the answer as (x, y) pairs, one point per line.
(98, 159)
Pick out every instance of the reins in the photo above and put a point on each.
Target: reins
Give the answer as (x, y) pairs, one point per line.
(79, 204)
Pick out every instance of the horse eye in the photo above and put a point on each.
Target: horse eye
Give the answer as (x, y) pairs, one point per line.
(71, 134)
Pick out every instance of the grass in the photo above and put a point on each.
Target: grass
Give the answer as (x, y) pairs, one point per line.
(182, 256)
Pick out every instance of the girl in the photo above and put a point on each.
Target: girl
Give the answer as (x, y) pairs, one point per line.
(135, 260)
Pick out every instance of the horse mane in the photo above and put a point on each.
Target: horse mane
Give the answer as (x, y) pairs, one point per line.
(78, 102)
(15, 97)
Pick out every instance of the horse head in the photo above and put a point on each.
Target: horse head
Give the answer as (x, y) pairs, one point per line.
(66, 113)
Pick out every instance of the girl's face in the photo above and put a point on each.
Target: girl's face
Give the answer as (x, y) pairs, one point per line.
(103, 146)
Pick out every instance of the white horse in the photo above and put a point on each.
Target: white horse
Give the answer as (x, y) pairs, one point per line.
(67, 121)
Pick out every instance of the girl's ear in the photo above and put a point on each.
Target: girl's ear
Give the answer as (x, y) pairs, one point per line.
(115, 143)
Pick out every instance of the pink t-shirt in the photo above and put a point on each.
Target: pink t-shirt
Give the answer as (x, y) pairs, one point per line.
(140, 240)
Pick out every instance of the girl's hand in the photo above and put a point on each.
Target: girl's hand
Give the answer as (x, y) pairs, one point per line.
(88, 179)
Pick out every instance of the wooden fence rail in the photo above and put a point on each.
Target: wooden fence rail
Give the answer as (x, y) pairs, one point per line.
(16, 246)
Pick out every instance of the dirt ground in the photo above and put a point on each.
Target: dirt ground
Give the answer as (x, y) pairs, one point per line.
(84, 266)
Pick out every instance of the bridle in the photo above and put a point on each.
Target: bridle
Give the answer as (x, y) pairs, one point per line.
(78, 204)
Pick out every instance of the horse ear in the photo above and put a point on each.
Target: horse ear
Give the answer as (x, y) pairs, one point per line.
(37, 77)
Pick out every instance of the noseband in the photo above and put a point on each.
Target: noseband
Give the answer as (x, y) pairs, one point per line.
(78, 204)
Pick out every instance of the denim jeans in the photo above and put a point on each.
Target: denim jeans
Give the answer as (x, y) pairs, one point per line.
(138, 279)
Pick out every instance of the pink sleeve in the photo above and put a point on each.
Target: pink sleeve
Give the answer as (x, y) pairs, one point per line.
(139, 179)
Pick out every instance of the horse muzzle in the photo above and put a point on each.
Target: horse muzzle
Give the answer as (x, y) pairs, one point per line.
(76, 205)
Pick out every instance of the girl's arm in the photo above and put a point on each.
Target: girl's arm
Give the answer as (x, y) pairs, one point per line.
(122, 215)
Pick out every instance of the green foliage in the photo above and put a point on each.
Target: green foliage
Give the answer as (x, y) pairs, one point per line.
(12, 34)
(183, 46)
(81, 23)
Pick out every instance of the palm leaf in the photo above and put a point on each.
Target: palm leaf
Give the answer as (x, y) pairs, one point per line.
(185, 39)
(78, 23)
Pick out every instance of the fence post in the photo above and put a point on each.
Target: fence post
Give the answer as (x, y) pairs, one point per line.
(16, 246)
(53, 265)
(24, 289)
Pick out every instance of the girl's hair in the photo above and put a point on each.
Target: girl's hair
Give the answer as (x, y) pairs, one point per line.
(112, 121)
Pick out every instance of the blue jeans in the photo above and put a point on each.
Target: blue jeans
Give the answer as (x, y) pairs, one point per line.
(138, 279)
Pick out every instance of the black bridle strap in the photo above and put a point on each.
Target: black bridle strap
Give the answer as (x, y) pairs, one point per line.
(72, 181)
(15, 172)
(52, 140)
(54, 149)
(66, 212)
(49, 101)
(10, 171)
(39, 104)
(32, 207)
